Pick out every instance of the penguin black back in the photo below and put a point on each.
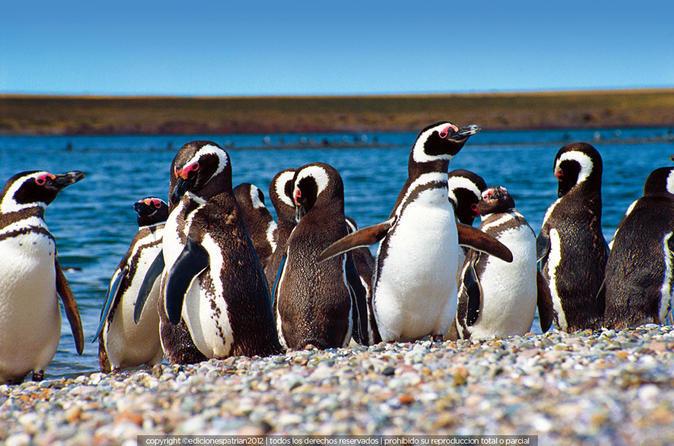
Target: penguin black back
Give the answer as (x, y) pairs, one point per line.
(639, 278)
(281, 196)
(258, 220)
(571, 244)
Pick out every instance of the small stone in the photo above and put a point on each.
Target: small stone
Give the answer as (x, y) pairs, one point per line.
(406, 399)
(73, 414)
(388, 371)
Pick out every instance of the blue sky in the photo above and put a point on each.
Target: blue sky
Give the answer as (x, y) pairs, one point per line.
(332, 47)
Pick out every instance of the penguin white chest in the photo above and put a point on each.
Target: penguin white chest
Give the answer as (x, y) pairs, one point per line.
(29, 312)
(129, 344)
(415, 291)
(509, 291)
(554, 259)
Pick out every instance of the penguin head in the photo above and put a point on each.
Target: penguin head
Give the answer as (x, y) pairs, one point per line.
(202, 168)
(577, 165)
(660, 182)
(281, 195)
(151, 210)
(250, 196)
(495, 199)
(441, 141)
(35, 188)
(464, 192)
(317, 186)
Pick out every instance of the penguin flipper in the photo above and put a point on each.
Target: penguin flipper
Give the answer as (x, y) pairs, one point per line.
(110, 299)
(546, 312)
(474, 290)
(542, 247)
(70, 305)
(153, 272)
(189, 265)
(358, 302)
(361, 238)
(277, 280)
(477, 240)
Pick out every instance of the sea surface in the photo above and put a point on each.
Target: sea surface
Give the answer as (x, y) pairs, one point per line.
(93, 221)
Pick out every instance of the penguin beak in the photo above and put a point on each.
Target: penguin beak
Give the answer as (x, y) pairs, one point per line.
(180, 188)
(465, 132)
(66, 179)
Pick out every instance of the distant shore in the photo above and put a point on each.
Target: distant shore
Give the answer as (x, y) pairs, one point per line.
(96, 115)
(603, 387)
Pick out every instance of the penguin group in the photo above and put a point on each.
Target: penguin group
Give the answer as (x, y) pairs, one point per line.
(211, 274)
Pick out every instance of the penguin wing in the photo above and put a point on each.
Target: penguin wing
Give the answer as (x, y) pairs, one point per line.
(471, 282)
(191, 262)
(153, 272)
(358, 302)
(546, 312)
(542, 247)
(70, 305)
(361, 238)
(111, 298)
(477, 240)
(277, 280)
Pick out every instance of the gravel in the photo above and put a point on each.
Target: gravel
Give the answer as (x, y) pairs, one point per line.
(605, 387)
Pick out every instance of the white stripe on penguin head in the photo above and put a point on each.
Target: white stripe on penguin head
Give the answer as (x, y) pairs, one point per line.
(318, 174)
(209, 149)
(670, 182)
(279, 187)
(255, 197)
(459, 182)
(419, 154)
(585, 162)
(9, 204)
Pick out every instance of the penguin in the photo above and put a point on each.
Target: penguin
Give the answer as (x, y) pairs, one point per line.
(319, 304)
(213, 279)
(465, 192)
(498, 298)
(639, 279)
(571, 247)
(280, 194)
(31, 278)
(259, 222)
(123, 343)
(414, 284)
(364, 263)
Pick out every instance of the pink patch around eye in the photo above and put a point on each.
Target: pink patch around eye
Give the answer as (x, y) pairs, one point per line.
(156, 203)
(444, 132)
(42, 179)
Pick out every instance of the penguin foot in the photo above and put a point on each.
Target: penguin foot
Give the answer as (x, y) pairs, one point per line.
(38, 375)
(438, 338)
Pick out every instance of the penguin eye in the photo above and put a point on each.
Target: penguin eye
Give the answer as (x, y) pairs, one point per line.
(444, 132)
(156, 203)
(42, 179)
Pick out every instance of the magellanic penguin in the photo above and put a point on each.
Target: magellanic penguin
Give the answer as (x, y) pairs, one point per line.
(464, 189)
(31, 279)
(415, 277)
(259, 222)
(319, 304)
(639, 274)
(122, 342)
(364, 262)
(498, 298)
(571, 246)
(281, 195)
(213, 278)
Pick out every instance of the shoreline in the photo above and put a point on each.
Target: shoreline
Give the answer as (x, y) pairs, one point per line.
(607, 387)
(116, 115)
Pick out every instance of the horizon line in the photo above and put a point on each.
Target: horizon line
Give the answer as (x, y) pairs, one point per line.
(495, 92)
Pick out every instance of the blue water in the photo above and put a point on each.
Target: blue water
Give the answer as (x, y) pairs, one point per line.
(93, 221)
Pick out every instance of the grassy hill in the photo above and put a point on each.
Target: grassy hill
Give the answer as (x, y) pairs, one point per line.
(29, 114)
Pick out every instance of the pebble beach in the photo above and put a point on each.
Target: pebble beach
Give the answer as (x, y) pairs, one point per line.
(602, 387)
